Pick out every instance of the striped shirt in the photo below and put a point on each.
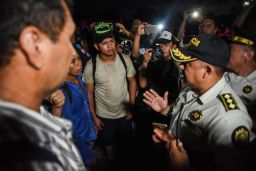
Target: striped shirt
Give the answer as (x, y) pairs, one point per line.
(36, 141)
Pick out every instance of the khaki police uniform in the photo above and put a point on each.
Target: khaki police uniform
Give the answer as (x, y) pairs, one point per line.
(245, 87)
(217, 117)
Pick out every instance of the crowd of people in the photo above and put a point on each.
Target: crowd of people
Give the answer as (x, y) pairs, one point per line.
(146, 100)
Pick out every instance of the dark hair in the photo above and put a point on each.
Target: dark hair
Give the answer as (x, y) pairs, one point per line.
(47, 15)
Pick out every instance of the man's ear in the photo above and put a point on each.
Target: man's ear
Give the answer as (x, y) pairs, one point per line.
(250, 55)
(29, 41)
(96, 46)
(207, 71)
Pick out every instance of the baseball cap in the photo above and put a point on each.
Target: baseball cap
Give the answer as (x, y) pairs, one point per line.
(243, 37)
(166, 37)
(208, 48)
(101, 31)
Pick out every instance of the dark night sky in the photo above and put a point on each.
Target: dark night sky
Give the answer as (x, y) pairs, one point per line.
(162, 8)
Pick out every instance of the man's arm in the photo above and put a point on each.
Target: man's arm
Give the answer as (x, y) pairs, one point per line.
(239, 20)
(182, 26)
(132, 89)
(136, 41)
(143, 80)
(90, 89)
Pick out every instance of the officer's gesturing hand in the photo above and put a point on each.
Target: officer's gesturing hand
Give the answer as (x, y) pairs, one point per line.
(156, 102)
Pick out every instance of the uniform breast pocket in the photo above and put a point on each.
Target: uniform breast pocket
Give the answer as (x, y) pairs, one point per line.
(192, 133)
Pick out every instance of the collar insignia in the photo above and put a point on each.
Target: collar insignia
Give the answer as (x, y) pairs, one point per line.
(247, 89)
(195, 115)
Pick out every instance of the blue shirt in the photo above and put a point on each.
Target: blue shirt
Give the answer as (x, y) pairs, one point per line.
(76, 109)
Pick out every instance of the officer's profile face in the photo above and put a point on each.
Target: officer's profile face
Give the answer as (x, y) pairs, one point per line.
(236, 57)
(193, 73)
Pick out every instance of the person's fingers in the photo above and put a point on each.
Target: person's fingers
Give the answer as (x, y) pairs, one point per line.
(155, 139)
(179, 145)
(166, 95)
(154, 93)
(59, 105)
(147, 102)
(161, 135)
(171, 134)
(148, 96)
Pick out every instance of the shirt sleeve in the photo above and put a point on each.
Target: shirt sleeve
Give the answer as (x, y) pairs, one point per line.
(87, 74)
(130, 68)
(233, 129)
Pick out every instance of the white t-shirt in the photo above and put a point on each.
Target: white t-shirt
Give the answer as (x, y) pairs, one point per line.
(111, 91)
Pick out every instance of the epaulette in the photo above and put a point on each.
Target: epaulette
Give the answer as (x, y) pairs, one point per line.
(228, 101)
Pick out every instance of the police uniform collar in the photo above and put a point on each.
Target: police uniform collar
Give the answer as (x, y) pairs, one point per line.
(252, 76)
(213, 92)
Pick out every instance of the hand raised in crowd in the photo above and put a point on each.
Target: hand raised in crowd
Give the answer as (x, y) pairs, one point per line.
(57, 99)
(177, 153)
(147, 57)
(121, 27)
(185, 15)
(141, 28)
(156, 102)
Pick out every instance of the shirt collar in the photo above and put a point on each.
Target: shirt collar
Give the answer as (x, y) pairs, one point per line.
(252, 76)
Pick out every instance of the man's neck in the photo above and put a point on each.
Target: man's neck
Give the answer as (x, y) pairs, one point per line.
(20, 95)
(167, 58)
(19, 86)
(73, 79)
(208, 85)
(107, 59)
(246, 70)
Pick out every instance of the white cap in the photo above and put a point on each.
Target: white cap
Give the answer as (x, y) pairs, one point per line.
(166, 35)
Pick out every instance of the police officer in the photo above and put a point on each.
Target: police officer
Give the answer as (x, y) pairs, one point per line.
(242, 62)
(208, 118)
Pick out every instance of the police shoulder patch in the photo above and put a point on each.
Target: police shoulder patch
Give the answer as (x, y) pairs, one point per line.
(228, 101)
(195, 115)
(241, 136)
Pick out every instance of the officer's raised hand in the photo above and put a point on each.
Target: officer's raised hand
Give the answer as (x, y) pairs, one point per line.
(156, 102)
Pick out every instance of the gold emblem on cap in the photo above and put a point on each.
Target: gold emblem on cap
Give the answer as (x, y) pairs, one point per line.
(247, 89)
(196, 115)
(240, 39)
(180, 57)
(241, 136)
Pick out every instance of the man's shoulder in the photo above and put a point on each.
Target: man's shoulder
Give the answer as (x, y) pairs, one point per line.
(22, 141)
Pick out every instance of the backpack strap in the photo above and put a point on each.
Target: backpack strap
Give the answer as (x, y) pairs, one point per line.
(93, 67)
(123, 61)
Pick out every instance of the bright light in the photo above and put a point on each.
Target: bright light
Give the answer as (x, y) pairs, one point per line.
(195, 14)
(246, 3)
(160, 26)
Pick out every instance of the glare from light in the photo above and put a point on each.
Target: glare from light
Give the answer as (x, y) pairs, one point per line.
(195, 14)
(246, 3)
(160, 26)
